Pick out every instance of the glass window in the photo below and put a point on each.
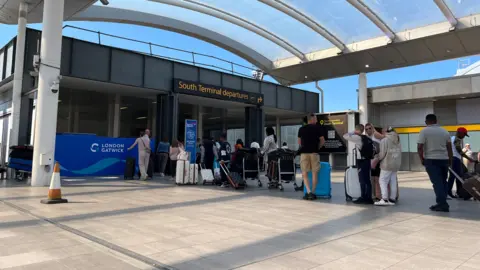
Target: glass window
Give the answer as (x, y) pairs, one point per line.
(401, 15)
(473, 140)
(8, 68)
(412, 142)
(289, 135)
(338, 17)
(404, 142)
(462, 8)
(234, 134)
(286, 27)
(1, 65)
(239, 34)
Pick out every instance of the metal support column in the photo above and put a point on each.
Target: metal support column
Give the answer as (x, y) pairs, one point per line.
(116, 116)
(351, 128)
(18, 73)
(363, 98)
(48, 87)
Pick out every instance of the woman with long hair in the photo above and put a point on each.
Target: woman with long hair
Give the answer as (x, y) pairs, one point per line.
(270, 143)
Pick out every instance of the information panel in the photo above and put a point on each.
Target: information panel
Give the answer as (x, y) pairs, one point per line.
(191, 139)
(335, 126)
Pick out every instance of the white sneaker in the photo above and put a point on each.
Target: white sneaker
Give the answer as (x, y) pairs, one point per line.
(382, 202)
(162, 175)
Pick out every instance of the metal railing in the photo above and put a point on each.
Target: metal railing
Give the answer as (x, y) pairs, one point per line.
(233, 67)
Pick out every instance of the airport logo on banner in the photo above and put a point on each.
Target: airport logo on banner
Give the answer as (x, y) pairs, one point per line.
(108, 148)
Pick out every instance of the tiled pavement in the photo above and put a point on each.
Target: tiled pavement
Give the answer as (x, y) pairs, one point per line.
(113, 224)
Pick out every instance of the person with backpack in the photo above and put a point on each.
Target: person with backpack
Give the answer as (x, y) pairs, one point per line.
(364, 146)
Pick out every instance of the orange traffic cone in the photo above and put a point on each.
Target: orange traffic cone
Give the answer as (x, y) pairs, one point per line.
(54, 192)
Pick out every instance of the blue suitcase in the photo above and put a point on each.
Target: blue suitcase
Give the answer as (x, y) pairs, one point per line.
(324, 186)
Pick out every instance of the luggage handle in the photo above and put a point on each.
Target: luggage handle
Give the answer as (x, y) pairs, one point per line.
(354, 157)
(456, 175)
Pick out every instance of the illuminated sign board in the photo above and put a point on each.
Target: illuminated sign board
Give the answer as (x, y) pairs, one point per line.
(217, 92)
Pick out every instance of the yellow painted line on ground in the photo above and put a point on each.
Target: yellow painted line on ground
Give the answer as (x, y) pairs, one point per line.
(404, 130)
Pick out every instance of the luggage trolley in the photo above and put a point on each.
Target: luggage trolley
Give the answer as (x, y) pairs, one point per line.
(250, 164)
(281, 169)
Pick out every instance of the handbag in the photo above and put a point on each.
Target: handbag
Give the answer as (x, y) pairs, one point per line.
(183, 155)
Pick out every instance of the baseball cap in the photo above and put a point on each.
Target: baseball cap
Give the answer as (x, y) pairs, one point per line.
(463, 130)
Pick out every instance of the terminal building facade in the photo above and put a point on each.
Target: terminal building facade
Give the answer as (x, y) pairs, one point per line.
(111, 92)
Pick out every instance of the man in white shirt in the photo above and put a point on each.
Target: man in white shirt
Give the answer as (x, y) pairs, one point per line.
(435, 152)
(363, 164)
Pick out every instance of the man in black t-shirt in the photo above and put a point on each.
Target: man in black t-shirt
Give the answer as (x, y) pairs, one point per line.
(310, 138)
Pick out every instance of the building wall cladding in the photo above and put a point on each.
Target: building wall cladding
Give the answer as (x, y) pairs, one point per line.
(96, 62)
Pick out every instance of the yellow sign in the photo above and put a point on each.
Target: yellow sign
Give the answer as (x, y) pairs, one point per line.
(187, 87)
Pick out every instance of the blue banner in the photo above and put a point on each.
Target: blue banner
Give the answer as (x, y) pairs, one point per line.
(191, 139)
(91, 155)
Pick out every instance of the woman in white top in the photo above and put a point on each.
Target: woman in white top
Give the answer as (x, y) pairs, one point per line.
(144, 151)
(269, 144)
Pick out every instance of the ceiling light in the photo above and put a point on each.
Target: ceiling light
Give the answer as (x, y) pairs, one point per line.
(463, 97)
(408, 102)
(306, 77)
(141, 117)
(367, 65)
(123, 108)
(448, 51)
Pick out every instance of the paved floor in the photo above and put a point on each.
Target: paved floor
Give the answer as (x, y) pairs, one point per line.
(113, 224)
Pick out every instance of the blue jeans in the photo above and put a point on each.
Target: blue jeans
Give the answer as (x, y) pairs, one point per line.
(437, 170)
(364, 170)
(458, 168)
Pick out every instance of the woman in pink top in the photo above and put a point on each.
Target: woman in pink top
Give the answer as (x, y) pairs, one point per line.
(144, 151)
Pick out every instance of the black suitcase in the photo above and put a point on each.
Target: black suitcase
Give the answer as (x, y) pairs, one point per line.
(129, 168)
(233, 178)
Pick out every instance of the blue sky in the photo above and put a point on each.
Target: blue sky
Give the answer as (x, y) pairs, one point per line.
(340, 93)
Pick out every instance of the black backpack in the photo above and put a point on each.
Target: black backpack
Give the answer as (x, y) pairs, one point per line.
(368, 149)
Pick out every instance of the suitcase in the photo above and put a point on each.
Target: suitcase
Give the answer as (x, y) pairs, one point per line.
(207, 176)
(470, 183)
(183, 171)
(324, 185)
(129, 172)
(352, 182)
(193, 174)
(234, 179)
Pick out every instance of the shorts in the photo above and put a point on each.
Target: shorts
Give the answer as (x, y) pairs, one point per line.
(376, 171)
(310, 162)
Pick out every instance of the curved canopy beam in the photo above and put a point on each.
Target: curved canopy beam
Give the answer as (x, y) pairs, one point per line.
(373, 17)
(223, 15)
(306, 20)
(118, 15)
(447, 12)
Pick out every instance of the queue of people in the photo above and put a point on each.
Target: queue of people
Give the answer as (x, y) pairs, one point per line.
(378, 165)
